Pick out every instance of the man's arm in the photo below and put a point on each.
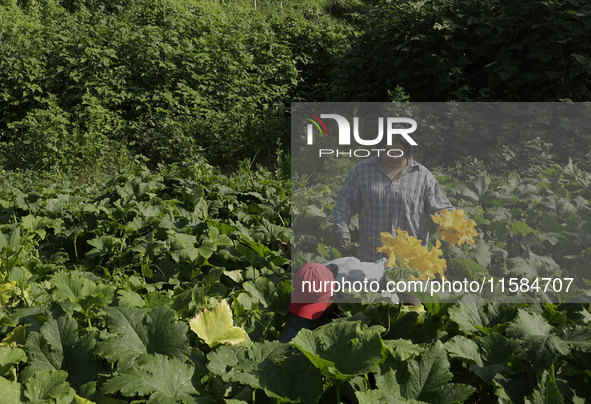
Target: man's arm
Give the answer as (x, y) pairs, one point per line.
(435, 200)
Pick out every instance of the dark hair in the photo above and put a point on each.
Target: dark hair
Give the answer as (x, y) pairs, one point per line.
(334, 269)
(398, 139)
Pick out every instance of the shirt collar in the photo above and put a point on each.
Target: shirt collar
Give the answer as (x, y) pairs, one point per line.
(412, 164)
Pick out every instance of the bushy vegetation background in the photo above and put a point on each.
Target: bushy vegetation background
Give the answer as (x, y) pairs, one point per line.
(90, 85)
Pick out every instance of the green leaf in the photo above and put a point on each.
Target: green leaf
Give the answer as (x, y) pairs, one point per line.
(80, 400)
(130, 299)
(261, 292)
(402, 349)
(81, 291)
(341, 349)
(237, 363)
(553, 315)
(185, 244)
(474, 317)
(13, 240)
(374, 397)
(388, 391)
(48, 384)
(546, 392)
(514, 389)
(6, 321)
(386, 382)
(197, 295)
(478, 190)
(576, 336)
(16, 337)
(5, 291)
(134, 334)
(10, 356)
(533, 266)
(58, 347)
(38, 224)
(464, 349)
(164, 379)
(293, 380)
(497, 352)
(427, 379)
(382, 397)
(480, 253)
(215, 327)
(522, 229)
(104, 246)
(10, 392)
(468, 269)
(542, 346)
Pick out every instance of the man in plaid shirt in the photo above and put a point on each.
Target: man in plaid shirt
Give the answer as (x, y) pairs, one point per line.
(388, 192)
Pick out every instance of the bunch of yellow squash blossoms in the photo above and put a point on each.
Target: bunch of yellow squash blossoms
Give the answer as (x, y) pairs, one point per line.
(453, 227)
(413, 254)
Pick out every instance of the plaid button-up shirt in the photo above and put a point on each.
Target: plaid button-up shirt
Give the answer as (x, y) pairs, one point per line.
(384, 204)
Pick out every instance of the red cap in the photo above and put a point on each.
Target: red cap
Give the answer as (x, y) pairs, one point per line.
(310, 300)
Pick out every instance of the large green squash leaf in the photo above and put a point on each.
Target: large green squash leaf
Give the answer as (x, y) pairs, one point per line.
(546, 392)
(387, 387)
(81, 291)
(402, 349)
(38, 224)
(487, 358)
(133, 334)
(423, 379)
(513, 390)
(542, 346)
(59, 347)
(164, 379)
(465, 349)
(427, 379)
(237, 363)
(533, 266)
(9, 356)
(10, 392)
(293, 380)
(474, 317)
(341, 349)
(48, 384)
(497, 354)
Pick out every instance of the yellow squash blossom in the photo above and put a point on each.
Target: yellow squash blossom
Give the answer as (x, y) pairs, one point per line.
(413, 254)
(454, 228)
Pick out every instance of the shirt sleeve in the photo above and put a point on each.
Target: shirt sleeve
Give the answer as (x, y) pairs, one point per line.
(435, 199)
(348, 204)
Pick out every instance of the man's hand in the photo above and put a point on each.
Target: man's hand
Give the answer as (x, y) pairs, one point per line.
(344, 242)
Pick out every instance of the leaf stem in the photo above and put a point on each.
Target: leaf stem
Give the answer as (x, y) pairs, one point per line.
(12, 263)
(280, 218)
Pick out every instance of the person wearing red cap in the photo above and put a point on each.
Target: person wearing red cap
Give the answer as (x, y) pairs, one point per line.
(311, 300)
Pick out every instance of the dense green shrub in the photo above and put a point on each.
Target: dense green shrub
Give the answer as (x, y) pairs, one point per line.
(317, 45)
(465, 50)
(89, 83)
(155, 74)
